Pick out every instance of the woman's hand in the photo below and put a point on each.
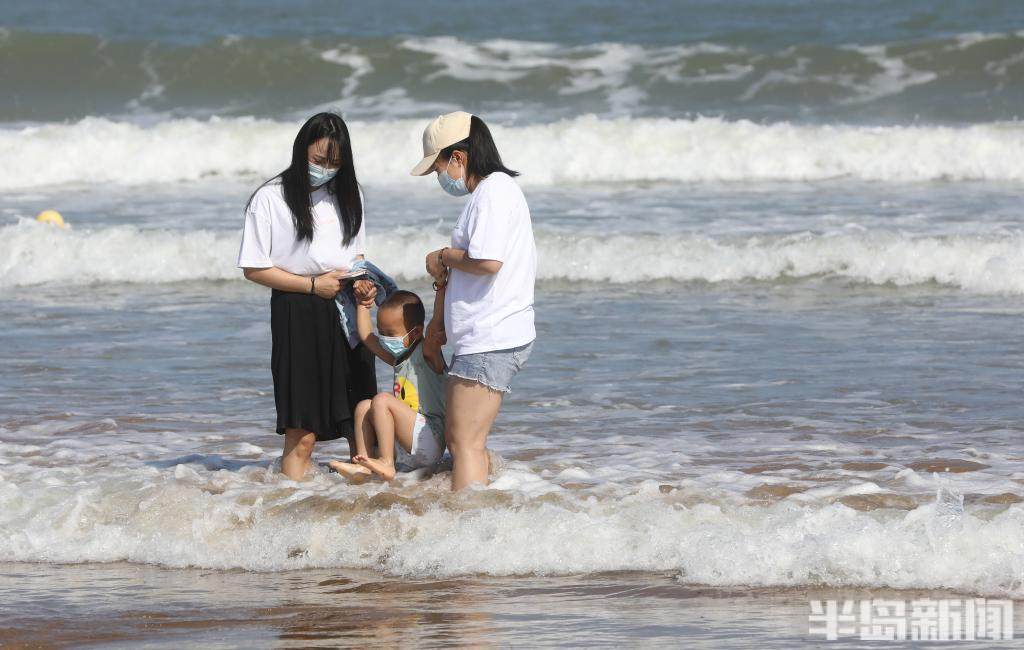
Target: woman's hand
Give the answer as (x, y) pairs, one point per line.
(434, 267)
(365, 292)
(328, 284)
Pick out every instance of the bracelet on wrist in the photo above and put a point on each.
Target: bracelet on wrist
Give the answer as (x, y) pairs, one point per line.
(443, 283)
(312, 284)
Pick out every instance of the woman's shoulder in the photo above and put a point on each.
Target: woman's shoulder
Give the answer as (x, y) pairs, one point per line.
(272, 190)
(499, 179)
(267, 197)
(499, 183)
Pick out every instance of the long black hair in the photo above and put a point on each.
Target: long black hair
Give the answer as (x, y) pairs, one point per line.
(344, 188)
(482, 154)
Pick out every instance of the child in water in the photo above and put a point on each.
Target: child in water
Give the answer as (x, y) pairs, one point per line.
(404, 428)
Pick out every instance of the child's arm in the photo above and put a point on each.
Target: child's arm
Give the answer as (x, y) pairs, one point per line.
(369, 339)
(435, 336)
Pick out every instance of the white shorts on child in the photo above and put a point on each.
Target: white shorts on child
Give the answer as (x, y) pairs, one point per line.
(426, 447)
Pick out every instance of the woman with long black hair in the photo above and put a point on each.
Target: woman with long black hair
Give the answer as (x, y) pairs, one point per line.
(484, 281)
(303, 229)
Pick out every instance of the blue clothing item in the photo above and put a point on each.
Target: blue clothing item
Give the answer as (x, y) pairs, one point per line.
(346, 299)
(493, 369)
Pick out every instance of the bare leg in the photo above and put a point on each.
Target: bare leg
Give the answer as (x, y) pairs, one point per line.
(298, 449)
(378, 424)
(471, 411)
(393, 421)
(366, 439)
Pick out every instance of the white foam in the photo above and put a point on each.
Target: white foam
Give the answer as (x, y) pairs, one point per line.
(579, 150)
(620, 71)
(500, 61)
(32, 253)
(894, 76)
(350, 57)
(584, 68)
(198, 515)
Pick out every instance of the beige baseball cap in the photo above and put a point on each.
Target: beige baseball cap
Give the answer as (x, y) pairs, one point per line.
(443, 132)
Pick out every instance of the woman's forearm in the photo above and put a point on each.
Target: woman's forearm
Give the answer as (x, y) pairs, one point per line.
(456, 258)
(279, 279)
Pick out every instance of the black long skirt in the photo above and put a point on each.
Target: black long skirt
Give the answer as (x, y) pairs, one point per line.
(318, 378)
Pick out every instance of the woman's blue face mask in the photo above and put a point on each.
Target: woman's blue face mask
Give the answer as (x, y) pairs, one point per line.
(455, 187)
(319, 175)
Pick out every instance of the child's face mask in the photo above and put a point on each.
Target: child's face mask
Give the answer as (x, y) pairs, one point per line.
(396, 344)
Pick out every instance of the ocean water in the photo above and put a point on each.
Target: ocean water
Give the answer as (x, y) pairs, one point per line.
(779, 309)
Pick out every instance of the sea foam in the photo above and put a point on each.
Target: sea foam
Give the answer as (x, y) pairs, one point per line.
(197, 512)
(584, 149)
(32, 253)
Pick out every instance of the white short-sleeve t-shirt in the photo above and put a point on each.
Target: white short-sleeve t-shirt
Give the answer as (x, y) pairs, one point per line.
(269, 237)
(493, 312)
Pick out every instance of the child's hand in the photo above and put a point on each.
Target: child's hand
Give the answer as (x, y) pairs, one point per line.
(366, 304)
(365, 292)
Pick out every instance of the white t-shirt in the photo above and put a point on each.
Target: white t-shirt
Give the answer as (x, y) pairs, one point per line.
(269, 237)
(483, 313)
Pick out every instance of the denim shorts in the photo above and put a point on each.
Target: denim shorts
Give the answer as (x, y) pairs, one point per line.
(493, 369)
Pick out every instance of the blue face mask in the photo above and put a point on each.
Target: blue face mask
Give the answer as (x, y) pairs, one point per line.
(319, 175)
(450, 185)
(395, 344)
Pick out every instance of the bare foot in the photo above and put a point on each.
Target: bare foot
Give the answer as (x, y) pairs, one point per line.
(351, 471)
(379, 467)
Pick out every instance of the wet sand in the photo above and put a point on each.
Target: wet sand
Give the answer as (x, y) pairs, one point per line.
(126, 605)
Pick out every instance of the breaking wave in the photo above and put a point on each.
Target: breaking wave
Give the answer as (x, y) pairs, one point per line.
(32, 253)
(584, 149)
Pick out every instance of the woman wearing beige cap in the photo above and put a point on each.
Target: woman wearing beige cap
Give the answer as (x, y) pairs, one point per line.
(484, 282)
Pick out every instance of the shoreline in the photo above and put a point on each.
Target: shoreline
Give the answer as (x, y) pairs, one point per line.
(130, 604)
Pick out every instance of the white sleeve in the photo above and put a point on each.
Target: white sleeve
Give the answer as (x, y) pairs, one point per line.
(488, 227)
(256, 245)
